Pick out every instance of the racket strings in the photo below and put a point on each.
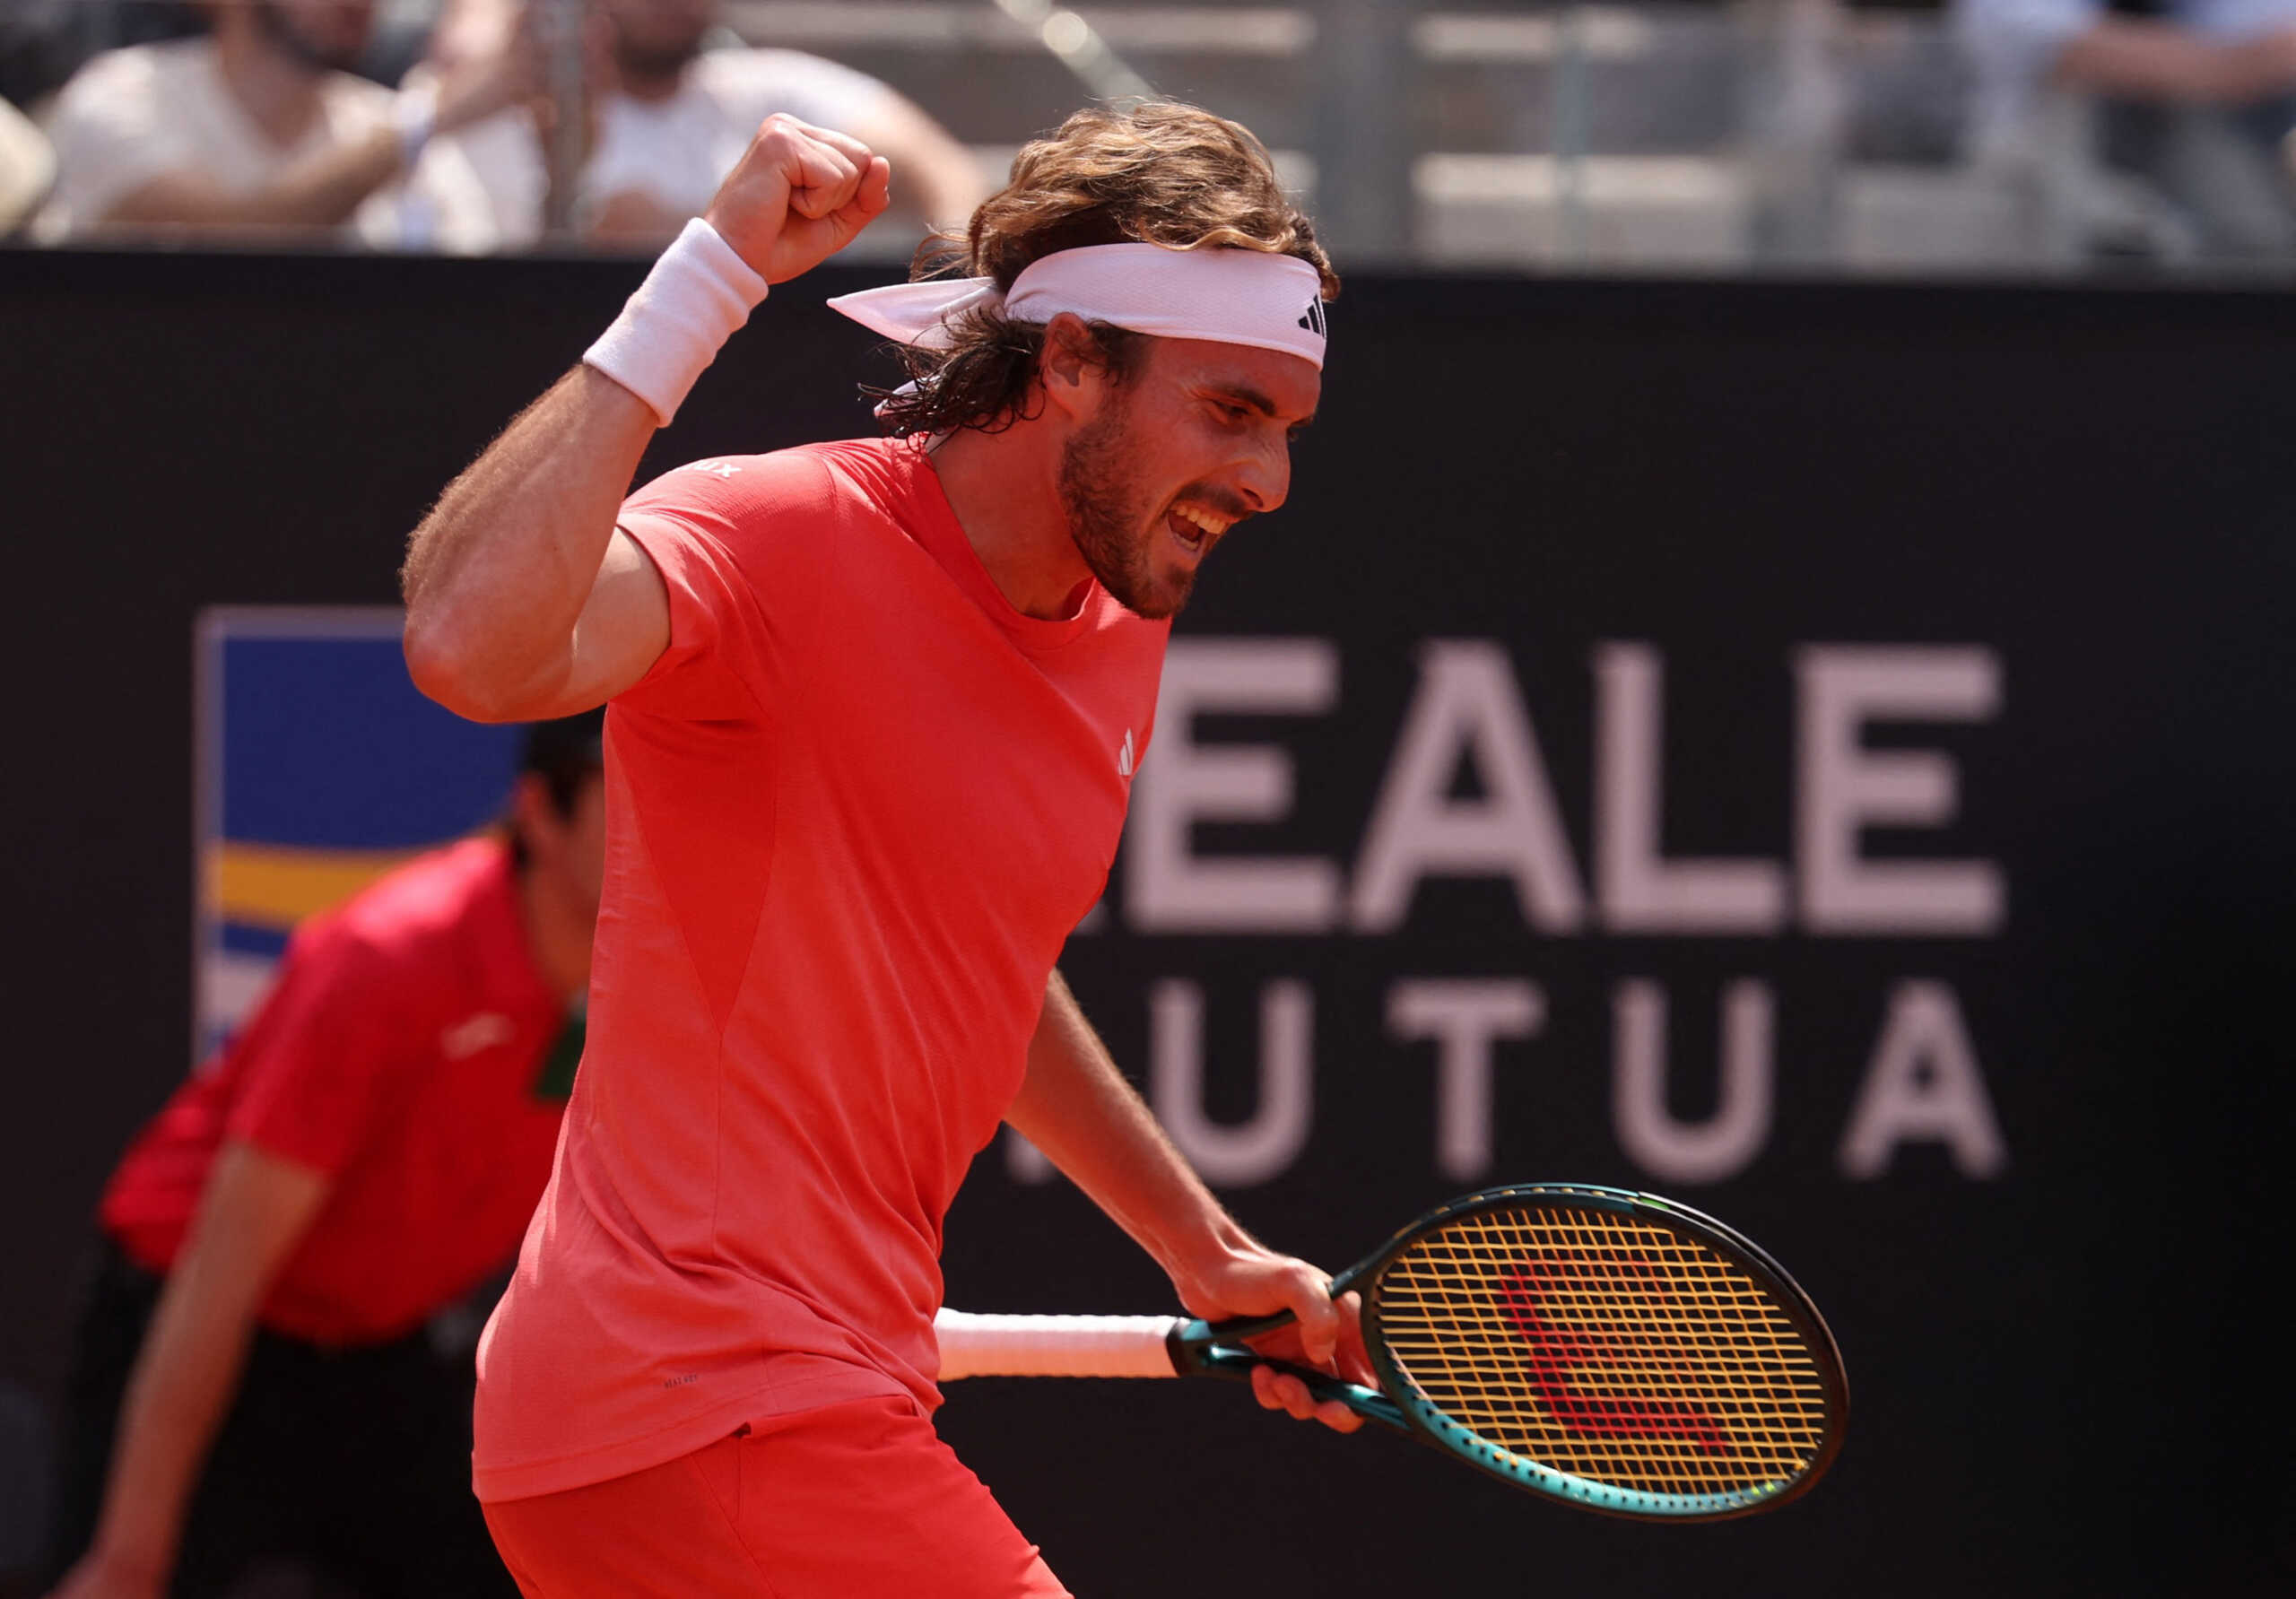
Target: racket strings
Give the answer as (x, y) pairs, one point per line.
(1605, 1346)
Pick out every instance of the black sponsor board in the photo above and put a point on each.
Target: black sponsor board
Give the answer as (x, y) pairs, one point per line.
(1822, 751)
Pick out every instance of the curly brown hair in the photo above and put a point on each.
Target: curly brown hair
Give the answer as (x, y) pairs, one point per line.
(1156, 172)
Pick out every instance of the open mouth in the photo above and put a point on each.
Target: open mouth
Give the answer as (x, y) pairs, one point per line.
(1194, 528)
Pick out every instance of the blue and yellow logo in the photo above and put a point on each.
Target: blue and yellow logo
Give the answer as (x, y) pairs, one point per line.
(320, 768)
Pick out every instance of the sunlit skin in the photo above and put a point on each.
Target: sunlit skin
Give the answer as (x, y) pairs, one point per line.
(1105, 477)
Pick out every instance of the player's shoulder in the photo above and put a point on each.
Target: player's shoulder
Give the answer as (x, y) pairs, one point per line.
(811, 480)
(720, 477)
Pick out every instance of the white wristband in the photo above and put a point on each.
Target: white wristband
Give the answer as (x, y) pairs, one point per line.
(698, 293)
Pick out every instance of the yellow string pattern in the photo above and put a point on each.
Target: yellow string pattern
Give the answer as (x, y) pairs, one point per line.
(1605, 1346)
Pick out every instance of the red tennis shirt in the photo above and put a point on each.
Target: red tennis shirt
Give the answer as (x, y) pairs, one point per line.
(853, 812)
(399, 1052)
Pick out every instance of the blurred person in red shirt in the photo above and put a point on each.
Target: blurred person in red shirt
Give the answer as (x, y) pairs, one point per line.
(255, 1381)
(260, 131)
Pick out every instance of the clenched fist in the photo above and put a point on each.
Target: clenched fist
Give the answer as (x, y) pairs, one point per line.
(798, 195)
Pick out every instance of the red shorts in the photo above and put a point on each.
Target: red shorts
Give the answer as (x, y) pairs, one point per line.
(857, 1500)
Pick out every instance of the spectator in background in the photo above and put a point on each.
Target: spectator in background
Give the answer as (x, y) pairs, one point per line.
(260, 131)
(680, 118)
(668, 117)
(254, 1383)
(26, 167)
(2221, 74)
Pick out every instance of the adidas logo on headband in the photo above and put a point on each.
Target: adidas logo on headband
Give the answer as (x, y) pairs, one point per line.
(1229, 296)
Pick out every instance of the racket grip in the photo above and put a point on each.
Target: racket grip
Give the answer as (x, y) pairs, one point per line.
(1053, 1345)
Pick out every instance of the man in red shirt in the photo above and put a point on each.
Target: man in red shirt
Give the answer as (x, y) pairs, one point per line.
(253, 1379)
(875, 709)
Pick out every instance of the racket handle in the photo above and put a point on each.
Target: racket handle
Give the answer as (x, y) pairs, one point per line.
(1235, 1362)
(1053, 1345)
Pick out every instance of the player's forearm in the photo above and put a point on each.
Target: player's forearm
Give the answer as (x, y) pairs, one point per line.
(1077, 1107)
(497, 574)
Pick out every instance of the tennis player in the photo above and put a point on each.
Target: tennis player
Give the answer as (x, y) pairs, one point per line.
(253, 1380)
(875, 710)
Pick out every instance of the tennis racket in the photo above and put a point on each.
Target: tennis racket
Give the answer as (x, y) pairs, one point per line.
(1613, 1351)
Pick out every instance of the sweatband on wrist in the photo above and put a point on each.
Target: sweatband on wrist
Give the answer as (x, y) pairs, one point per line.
(698, 293)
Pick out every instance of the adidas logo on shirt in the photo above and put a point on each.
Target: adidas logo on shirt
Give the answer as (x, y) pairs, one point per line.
(483, 1032)
(1124, 756)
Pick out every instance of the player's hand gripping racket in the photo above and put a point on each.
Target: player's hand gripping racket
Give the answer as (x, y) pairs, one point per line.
(1614, 1350)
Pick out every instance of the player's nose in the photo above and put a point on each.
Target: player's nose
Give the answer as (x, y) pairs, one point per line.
(1265, 479)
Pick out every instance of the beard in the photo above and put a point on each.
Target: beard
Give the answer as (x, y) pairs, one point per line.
(292, 42)
(1102, 498)
(653, 59)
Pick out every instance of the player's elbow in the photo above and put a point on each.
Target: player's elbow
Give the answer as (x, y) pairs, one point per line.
(447, 669)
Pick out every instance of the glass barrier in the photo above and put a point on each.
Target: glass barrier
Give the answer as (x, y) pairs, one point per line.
(1761, 136)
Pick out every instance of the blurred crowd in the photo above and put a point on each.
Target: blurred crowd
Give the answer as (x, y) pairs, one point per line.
(266, 122)
(2076, 131)
(2196, 97)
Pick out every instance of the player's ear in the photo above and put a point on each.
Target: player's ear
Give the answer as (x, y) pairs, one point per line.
(532, 816)
(1071, 366)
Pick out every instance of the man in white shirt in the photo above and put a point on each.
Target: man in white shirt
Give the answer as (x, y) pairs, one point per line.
(2221, 73)
(27, 167)
(258, 133)
(669, 118)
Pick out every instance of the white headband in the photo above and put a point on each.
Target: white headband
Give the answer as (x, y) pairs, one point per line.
(1229, 296)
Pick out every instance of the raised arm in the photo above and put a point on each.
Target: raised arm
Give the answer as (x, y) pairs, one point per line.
(522, 600)
(1076, 1107)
